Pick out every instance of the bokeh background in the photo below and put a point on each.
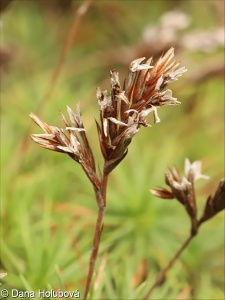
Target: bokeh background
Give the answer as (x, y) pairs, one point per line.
(48, 208)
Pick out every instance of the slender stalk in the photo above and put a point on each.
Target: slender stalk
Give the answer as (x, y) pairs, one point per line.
(162, 275)
(101, 200)
(104, 187)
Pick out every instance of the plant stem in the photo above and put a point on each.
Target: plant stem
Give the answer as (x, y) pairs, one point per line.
(162, 275)
(101, 200)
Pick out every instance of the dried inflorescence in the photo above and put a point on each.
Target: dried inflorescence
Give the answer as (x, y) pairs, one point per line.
(125, 110)
(215, 203)
(182, 189)
(75, 143)
(121, 114)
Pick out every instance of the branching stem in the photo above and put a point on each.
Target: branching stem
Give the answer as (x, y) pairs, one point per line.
(162, 275)
(101, 201)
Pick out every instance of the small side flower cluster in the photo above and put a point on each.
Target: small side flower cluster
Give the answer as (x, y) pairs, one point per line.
(125, 110)
(121, 115)
(215, 203)
(182, 189)
(74, 143)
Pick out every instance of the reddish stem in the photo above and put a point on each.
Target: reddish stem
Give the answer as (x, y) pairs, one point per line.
(162, 275)
(101, 200)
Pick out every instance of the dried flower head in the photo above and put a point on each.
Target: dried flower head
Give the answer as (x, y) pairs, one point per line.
(182, 188)
(193, 171)
(125, 110)
(180, 185)
(215, 203)
(121, 114)
(72, 140)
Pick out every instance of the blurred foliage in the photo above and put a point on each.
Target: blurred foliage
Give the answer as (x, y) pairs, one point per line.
(47, 204)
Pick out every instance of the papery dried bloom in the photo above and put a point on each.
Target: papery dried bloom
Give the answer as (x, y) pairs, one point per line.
(125, 110)
(182, 188)
(121, 114)
(56, 138)
(193, 171)
(72, 140)
(215, 203)
(162, 193)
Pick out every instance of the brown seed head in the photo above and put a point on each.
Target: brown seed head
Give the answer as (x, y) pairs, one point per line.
(125, 110)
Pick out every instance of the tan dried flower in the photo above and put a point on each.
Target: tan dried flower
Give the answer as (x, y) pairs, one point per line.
(215, 203)
(182, 188)
(72, 140)
(125, 110)
(193, 171)
(121, 113)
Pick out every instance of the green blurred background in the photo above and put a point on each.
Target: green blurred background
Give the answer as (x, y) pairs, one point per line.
(48, 208)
